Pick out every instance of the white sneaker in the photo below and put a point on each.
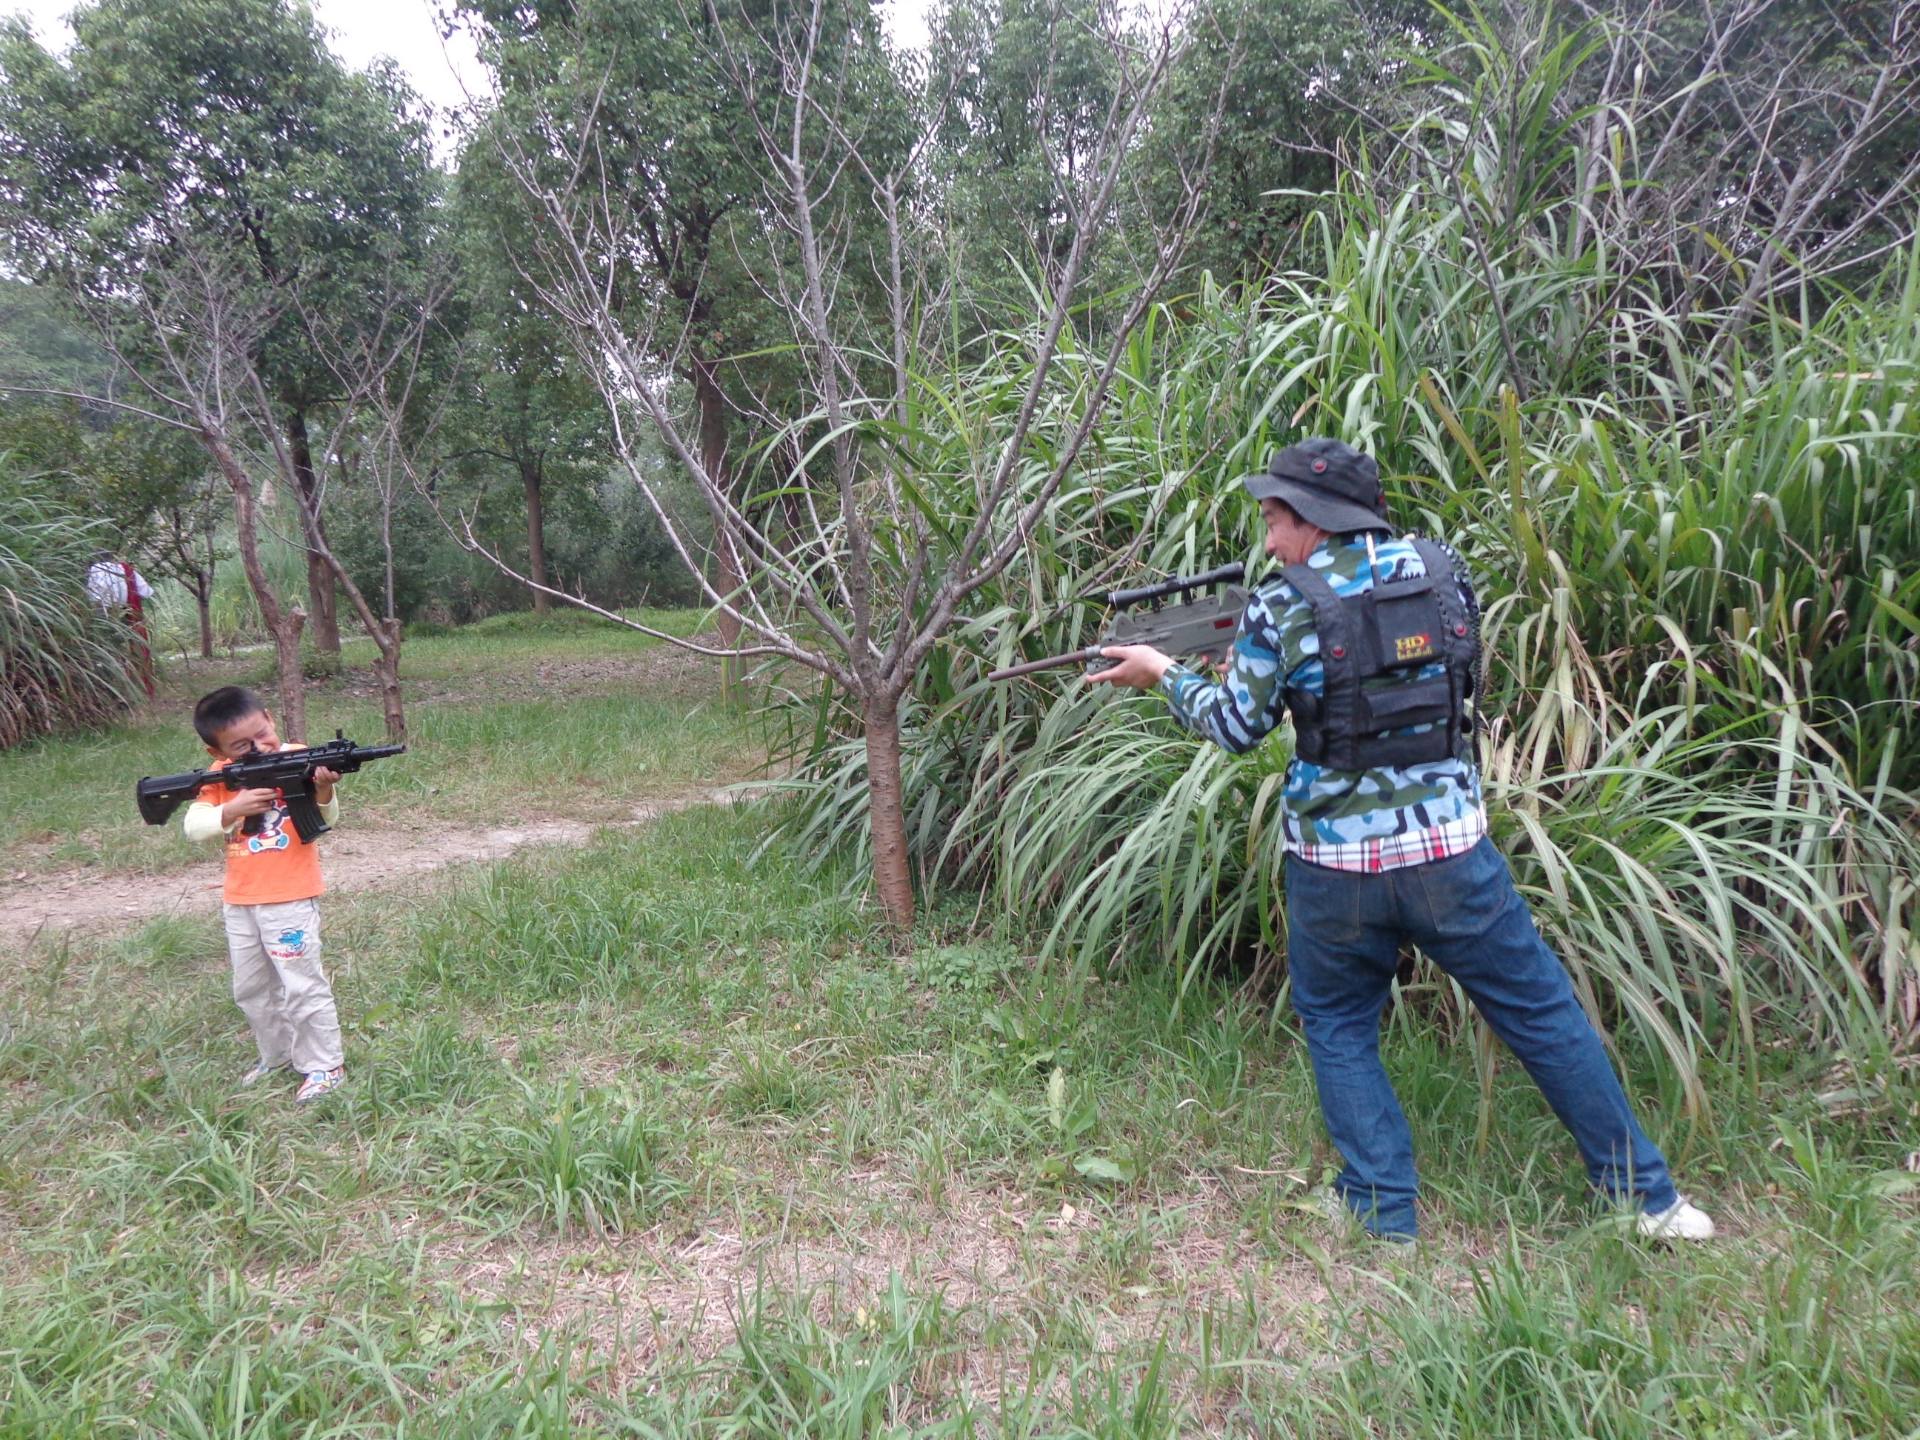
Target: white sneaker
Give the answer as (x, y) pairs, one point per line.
(1679, 1221)
(1330, 1203)
(1327, 1203)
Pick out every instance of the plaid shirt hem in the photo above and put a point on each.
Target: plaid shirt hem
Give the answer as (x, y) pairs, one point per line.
(1396, 852)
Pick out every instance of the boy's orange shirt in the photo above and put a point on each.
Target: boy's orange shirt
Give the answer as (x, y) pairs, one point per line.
(272, 867)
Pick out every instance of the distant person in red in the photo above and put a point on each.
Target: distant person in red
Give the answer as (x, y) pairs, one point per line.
(116, 586)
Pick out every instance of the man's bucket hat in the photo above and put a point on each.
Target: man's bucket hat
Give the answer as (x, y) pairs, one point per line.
(1328, 483)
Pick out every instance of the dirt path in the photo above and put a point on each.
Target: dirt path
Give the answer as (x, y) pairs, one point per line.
(357, 859)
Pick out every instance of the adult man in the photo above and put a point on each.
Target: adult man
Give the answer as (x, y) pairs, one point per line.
(1368, 642)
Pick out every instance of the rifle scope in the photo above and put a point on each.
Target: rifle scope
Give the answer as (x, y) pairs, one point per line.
(1178, 585)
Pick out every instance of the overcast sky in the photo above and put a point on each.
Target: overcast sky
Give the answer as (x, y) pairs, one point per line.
(445, 72)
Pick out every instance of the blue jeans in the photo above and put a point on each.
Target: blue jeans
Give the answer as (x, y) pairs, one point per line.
(1343, 943)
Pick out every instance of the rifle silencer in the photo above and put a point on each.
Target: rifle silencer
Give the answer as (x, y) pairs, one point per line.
(1052, 662)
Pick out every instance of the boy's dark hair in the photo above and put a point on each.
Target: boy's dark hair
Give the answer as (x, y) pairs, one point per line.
(220, 708)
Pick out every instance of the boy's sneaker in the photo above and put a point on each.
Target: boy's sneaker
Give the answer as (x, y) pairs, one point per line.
(319, 1082)
(1679, 1221)
(260, 1070)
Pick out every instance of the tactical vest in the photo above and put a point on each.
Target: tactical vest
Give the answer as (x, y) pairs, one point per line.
(1373, 647)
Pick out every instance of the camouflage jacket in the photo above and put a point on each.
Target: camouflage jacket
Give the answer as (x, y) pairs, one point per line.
(1275, 648)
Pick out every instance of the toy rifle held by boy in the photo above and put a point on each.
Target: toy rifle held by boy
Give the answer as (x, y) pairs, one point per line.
(1196, 626)
(290, 772)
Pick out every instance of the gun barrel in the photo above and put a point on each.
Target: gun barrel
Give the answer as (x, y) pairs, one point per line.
(1052, 662)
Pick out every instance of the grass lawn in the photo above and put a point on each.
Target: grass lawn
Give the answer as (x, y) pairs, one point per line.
(507, 718)
(657, 1136)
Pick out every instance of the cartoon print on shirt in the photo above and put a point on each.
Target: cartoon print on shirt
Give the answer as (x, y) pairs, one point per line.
(273, 832)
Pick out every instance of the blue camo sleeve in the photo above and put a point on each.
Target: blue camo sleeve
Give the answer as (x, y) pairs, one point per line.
(1242, 709)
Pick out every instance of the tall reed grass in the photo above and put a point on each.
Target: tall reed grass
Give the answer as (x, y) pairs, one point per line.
(1702, 575)
(62, 664)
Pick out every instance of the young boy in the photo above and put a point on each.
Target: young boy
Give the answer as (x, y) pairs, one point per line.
(273, 881)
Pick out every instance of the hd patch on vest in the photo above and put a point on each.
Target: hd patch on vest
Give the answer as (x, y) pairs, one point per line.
(1407, 625)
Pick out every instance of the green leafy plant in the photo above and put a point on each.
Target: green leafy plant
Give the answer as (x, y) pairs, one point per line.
(571, 1157)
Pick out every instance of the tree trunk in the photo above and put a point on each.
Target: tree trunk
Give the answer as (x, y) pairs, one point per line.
(320, 596)
(293, 683)
(283, 624)
(203, 597)
(536, 535)
(385, 632)
(713, 458)
(887, 821)
(386, 670)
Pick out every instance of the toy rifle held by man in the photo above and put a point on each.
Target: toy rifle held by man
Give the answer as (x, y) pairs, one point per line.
(290, 772)
(1196, 626)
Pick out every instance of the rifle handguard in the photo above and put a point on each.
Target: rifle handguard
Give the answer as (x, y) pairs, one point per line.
(1201, 628)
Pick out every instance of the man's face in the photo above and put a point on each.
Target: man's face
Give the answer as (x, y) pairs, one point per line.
(249, 735)
(1289, 538)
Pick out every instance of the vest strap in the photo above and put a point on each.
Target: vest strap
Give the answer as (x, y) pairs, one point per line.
(1339, 710)
(1463, 641)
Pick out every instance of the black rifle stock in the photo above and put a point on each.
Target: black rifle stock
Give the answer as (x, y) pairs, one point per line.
(290, 772)
(1198, 629)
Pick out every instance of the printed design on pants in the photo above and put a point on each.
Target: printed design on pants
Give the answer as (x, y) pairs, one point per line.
(290, 949)
(273, 832)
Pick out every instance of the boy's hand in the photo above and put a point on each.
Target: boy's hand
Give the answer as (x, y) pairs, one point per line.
(248, 803)
(323, 782)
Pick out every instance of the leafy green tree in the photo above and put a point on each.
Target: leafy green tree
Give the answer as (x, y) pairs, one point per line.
(154, 485)
(42, 346)
(1286, 79)
(226, 118)
(667, 104)
(519, 400)
(1262, 99)
(148, 488)
(1024, 90)
(44, 436)
(249, 225)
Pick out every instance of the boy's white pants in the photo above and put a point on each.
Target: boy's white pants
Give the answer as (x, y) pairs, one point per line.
(279, 985)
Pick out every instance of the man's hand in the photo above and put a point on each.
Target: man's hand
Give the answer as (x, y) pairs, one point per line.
(1141, 666)
(323, 782)
(247, 804)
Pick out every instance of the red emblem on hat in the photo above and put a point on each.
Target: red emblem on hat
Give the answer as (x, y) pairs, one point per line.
(1319, 467)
